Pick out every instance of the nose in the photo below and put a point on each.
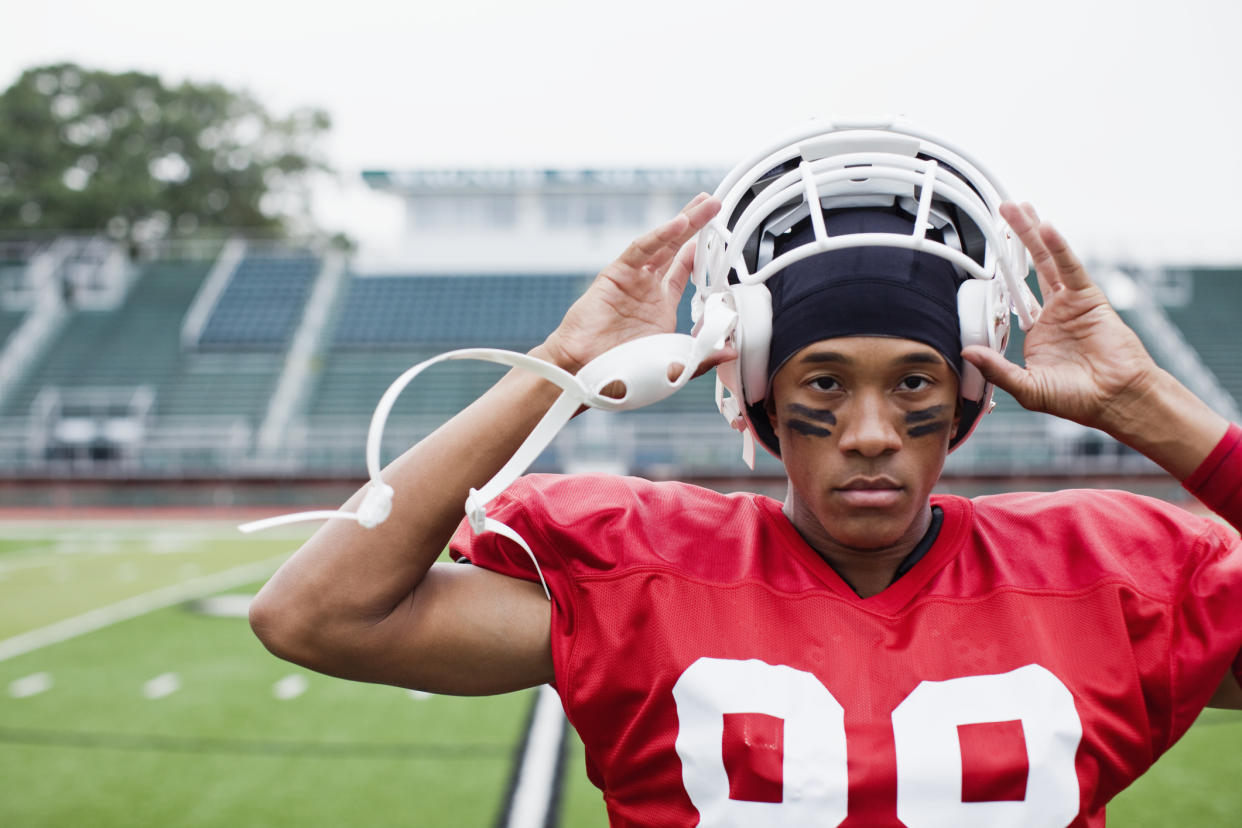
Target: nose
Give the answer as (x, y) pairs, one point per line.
(868, 427)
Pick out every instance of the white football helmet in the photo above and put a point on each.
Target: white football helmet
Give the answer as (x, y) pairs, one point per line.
(844, 165)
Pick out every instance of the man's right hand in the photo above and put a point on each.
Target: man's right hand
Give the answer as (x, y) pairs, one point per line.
(636, 295)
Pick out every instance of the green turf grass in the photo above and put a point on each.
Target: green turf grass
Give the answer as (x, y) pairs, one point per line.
(1195, 783)
(222, 750)
(45, 579)
(582, 804)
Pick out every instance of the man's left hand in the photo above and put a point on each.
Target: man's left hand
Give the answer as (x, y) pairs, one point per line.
(1084, 364)
(1082, 361)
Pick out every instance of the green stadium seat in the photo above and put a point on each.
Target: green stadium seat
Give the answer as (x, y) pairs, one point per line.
(262, 305)
(1209, 323)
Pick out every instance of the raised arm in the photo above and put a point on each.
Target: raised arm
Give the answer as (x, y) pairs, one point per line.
(368, 604)
(1084, 364)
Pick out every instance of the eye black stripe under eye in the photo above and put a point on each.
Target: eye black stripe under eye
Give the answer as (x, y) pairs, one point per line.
(803, 427)
(925, 414)
(928, 428)
(819, 415)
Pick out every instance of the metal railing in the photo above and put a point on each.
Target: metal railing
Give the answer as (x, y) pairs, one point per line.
(657, 446)
(173, 447)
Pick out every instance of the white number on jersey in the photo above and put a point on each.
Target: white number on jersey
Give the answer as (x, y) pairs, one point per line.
(929, 761)
(925, 727)
(814, 771)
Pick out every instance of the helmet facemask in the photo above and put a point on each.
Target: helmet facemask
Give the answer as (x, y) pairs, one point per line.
(949, 203)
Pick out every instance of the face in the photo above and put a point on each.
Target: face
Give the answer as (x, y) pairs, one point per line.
(864, 426)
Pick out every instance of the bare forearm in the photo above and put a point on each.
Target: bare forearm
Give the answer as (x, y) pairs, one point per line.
(359, 576)
(1168, 424)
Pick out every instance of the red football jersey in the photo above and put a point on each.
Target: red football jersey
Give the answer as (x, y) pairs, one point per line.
(1040, 656)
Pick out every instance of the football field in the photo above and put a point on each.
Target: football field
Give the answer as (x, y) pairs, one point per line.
(132, 692)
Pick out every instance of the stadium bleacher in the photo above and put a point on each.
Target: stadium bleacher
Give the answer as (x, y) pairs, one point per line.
(9, 322)
(1209, 322)
(14, 259)
(237, 384)
(352, 382)
(262, 304)
(136, 344)
(213, 393)
(208, 397)
(390, 323)
(498, 310)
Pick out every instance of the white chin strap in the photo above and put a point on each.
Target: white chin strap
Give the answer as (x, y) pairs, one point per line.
(642, 367)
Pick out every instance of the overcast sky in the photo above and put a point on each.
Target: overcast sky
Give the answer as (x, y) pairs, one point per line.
(1121, 121)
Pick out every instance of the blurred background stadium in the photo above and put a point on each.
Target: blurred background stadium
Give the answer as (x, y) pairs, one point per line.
(184, 343)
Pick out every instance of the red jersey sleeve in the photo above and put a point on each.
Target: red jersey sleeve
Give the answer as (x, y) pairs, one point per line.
(520, 507)
(1218, 480)
(1207, 616)
(1218, 484)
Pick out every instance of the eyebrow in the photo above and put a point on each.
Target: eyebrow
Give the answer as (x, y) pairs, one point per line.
(827, 356)
(916, 358)
(920, 358)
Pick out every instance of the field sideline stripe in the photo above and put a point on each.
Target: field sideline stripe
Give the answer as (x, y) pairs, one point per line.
(533, 791)
(163, 743)
(138, 605)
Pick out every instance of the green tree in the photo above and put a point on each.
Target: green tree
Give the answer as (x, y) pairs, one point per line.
(130, 156)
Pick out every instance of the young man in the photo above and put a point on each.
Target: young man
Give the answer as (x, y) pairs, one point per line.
(865, 653)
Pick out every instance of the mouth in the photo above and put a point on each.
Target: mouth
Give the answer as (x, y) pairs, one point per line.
(870, 492)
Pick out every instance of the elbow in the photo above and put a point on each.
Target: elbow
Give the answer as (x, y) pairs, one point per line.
(297, 625)
(282, 627)
(265, 623)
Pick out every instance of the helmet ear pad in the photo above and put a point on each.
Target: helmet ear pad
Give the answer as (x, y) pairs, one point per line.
(753, 339)
(983, 315)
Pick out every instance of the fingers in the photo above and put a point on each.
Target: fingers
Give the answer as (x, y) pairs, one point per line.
(700, 210)
(718, 358)
(694, 202)
(1025, 222)
(1002, 373)
(1073, 274)
(656, 248)
(679, 273)
(1055, 263)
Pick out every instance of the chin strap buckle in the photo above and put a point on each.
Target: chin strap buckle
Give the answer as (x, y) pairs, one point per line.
(376, 504)
(480, 523)
(642, 365)
(476, 513)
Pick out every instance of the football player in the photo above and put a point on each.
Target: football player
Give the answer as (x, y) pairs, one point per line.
(865, 652)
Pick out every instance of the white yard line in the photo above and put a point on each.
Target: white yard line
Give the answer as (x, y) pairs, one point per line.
(32, 557)
(290, 687)
(30, 563)
(32, 685)
(165, 684)
(229, 605)
(40, 556)
(532, 795)
(135, 606)
(95, 531)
